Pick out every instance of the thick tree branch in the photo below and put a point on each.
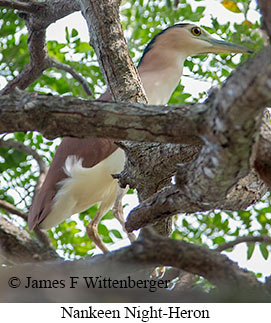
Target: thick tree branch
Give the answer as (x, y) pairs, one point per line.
(62, 116)
(150, 250)
(229, 132)
(170, 201)
(106, 37)
(265, 8)
(160, 162)
(210, 264)
(263, 157)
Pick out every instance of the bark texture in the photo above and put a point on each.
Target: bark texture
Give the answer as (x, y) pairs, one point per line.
(106, 37)
(17, 246)
(149, 251)
(265, 7)
(69, 116)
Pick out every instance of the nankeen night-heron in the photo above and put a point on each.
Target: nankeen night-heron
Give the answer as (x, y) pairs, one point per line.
(80, 173)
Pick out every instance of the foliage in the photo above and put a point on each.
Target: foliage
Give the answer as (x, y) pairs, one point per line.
(141, 20)
(217, 227)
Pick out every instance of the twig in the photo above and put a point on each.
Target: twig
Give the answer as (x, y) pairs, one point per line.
(249, 239)
(26, 149)
(12, 209)
(74, 73)
(176, 3)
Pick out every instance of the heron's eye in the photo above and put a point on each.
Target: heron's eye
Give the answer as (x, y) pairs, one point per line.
(196, 31)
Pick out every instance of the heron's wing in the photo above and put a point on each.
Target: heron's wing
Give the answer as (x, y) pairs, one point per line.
(90, 150)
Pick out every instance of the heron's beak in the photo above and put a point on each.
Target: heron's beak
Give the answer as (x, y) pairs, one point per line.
(221, 46)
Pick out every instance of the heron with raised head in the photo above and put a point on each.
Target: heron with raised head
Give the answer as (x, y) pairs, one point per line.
(81, 172)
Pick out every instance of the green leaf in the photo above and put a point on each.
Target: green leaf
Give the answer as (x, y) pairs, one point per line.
(250, 250)
(219, 240)
(109, 215)
(19, 136)
(116, 233)
(168, 3)
(264, 250)
(82, 47)
(74, 32)
(67, 35)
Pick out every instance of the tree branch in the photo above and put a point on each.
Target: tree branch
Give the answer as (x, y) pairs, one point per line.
(37, 19)
(160, 162)
(150, 250)
(229, 135)
(263, 157)
(170, 201)
(62, 116)
(17, 246)
(265, 8)
(12, 209)
(46, 12)
(204, 262)
(106, 37)
(26, 149)
(30, 7)
(248, 239)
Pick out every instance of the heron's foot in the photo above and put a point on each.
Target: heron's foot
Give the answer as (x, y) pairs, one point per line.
(118, 214)
(92, 231)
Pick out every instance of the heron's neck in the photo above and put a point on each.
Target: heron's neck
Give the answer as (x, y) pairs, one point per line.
(160, 72)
